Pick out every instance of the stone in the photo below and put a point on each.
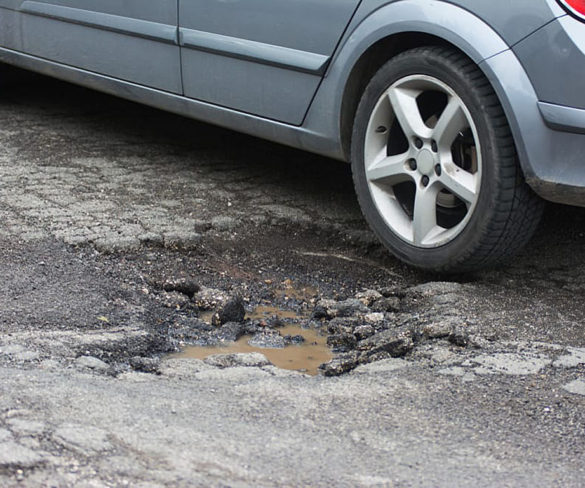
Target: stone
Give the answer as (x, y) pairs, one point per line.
(364, 331)
(574, 358)
(25, 426)
(397, 342)
(350, 307)
(577, 387)
(343, 325)
(185, 240)
(366, 357)
(438, 330)
(85, 439)
(435, 288)
(459, 337)
(251, 360)
(508, 363)
(232, 311)
(174, 299)
(340, 364)
(319, 313)
(374, 318)
(330, 309)
(389, 304)
(267, 340)
(145, 365)
(182, 285)
(25, 356)
(91, 362)
(224, 223)
(113, 244)
(5, 435)
(295, 340)
(342, 342)
(210, 298)
(368, 297)
(392, 291)
(13, 455)
(230, 332)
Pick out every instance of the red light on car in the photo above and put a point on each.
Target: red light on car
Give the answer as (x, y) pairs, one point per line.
(575, 6)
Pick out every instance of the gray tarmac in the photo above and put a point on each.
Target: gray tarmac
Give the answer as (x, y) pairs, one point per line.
(103, 203)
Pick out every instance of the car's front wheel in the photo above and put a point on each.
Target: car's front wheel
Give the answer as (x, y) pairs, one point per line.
(435, 166)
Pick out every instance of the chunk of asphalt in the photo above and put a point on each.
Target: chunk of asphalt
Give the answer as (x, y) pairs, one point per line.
(252, 360)
(232, 311)
(14, 455)
(577, 387)
(397, 342)
(90, 362)
(85, 439)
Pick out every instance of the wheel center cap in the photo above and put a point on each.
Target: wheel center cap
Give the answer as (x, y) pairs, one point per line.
(425, 162)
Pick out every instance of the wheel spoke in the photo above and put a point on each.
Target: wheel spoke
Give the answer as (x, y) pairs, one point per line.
(451, 122)
(388, 168)
(424, 219)
(460, 182)
(407, 112)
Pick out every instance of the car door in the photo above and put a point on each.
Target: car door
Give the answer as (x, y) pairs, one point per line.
(263, 57)
(133, 40)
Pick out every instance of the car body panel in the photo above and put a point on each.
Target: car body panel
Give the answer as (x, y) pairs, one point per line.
(513, 20)
(263, 57)
(131, 40)
(560, 79)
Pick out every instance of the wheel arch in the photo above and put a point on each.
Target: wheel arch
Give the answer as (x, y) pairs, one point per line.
(393, 29)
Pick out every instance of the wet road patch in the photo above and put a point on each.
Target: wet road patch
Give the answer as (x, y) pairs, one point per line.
(293, 348)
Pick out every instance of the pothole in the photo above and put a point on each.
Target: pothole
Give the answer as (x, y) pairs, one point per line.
(297, 329)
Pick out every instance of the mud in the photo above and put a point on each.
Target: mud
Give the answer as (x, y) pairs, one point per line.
(305, 357)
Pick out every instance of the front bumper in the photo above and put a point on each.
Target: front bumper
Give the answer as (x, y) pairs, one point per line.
(540, 83)
(561, 118)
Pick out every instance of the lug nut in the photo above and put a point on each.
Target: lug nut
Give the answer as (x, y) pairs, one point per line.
(425, 180)
(434, 146)
(418, 143)
(381, 129)
(438, 170)
(412, 164)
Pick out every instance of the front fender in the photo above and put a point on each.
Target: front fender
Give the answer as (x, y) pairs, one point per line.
(443, 20)
(435, 17)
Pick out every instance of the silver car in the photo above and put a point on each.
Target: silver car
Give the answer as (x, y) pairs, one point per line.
(458, 116)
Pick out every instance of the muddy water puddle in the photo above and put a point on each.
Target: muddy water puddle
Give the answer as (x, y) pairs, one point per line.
(305, 357)
(262, 312)
(267, 311)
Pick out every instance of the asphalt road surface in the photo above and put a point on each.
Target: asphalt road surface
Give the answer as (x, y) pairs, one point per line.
(117, 219)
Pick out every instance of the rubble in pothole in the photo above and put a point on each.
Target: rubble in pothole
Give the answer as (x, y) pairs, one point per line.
(371, 325)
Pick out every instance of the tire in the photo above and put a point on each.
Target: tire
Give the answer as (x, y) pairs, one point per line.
(435, 167)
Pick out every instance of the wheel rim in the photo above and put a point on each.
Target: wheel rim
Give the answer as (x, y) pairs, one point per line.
(423, 161)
